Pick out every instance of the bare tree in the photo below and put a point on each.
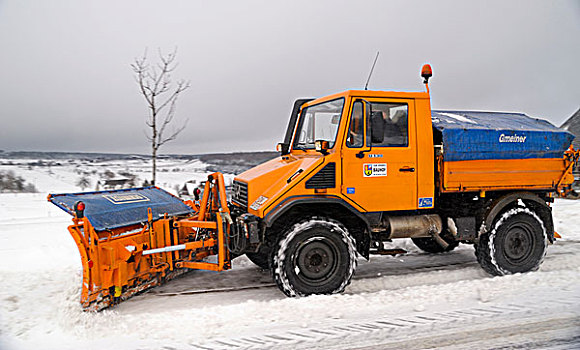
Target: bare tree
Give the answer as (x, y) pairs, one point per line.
(83, 183)
(161, 96)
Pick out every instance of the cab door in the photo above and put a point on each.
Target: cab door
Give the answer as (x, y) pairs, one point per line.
(381, 176)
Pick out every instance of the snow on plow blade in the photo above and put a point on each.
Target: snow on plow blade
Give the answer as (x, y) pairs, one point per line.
(134, 239)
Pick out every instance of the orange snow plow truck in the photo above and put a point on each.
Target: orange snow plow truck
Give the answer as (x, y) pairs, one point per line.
(356, 169)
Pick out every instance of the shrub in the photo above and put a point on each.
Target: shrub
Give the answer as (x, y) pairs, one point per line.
(9, 182)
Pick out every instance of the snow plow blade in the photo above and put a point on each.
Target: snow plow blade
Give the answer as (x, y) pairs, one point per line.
(131, 240)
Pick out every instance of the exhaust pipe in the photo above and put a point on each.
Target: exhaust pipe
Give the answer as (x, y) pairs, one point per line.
(415, 226)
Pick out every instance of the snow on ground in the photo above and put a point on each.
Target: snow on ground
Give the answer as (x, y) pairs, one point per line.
(411, 300)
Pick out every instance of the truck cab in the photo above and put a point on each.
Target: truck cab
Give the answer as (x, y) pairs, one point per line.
(353, 155)
(354, 162)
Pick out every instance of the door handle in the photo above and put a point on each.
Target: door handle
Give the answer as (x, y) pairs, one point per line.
(407, 169)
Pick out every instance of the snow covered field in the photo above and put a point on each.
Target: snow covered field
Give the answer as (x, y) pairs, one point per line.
(63, 175)
(417, 300)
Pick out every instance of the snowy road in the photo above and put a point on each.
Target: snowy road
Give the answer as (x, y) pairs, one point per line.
(413, 301)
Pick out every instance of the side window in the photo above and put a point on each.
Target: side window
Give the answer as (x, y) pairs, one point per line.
(396, 124)
(355, 128)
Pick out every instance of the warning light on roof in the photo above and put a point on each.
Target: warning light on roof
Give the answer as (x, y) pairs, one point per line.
(426, 73)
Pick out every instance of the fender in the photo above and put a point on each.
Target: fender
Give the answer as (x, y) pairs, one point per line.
(363, 245)
(502, 202)
(293, 201)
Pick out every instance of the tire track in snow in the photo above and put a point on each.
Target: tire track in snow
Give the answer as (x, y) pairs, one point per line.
(368, 271)
(516, 322)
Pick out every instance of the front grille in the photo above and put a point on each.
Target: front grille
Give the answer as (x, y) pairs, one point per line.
(240, 194)
(325, 178)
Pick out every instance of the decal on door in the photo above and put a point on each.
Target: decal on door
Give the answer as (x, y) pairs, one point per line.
(426, 202)
(374, 169)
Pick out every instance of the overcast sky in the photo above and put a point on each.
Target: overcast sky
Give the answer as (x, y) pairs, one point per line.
(66, 82)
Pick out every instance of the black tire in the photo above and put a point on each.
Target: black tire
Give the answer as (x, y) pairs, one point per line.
(316, 256)
(430, 245)
(517, 243)
(260, 259)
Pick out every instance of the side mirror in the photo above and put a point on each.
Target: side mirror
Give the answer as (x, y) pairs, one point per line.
(321, 146)
(377, 127)
(283, 148)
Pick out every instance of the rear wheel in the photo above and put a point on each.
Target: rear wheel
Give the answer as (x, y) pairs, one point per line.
(316, 256)
(517, 243)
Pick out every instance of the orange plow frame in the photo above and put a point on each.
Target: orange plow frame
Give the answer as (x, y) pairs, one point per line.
(120, 263)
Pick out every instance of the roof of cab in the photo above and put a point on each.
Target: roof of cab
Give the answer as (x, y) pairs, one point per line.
(370, 93)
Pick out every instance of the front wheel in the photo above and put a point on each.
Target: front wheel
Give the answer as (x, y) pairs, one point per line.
(316, 256)
(517, 243)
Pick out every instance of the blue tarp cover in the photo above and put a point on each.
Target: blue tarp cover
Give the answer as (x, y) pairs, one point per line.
(497, 135)
(112, 209)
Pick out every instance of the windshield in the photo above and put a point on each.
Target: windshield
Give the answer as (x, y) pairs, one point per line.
(319, 122)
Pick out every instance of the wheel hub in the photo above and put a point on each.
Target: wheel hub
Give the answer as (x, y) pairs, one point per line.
(518, 243)
(316, 260)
